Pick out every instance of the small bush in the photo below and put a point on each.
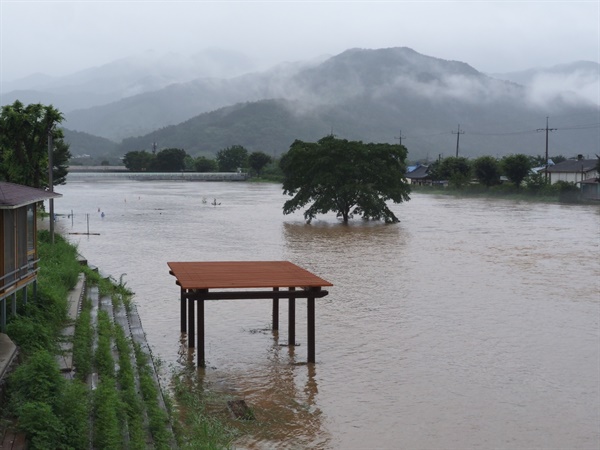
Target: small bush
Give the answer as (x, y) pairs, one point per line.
(30, 334)
(44, 430)
(36, 380)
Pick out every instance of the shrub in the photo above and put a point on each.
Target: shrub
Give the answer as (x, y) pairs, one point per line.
(567, 192)
(30, 334)
(37, 379)
(44, 430)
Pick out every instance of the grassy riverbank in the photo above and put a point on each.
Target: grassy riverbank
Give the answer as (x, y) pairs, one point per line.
(557, 193)
(114, 399)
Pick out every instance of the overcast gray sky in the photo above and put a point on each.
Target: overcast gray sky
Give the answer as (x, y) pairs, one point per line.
(61, 37)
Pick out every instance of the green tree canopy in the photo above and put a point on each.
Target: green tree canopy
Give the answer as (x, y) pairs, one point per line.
(487, 170)
(138, 161)
(169, 160)
(348, 177)
(204, 164)
(258, 161)
(457, 170)
(232, 158)
(24, 140)
(516, 168)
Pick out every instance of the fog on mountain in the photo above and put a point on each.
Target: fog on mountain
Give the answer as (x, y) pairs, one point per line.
(368, 95)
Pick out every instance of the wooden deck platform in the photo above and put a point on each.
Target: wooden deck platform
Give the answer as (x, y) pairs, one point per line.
(238, 280)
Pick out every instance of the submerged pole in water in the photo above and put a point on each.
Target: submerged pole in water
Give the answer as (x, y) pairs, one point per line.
(292, 320)
(310, 321)
(183, 326)
(275, 311)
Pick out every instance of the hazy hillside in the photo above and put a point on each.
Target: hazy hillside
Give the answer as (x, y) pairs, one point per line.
(143, 113)
(123, 78)
(140, 114)
(81, 144)
(372, 95)
(266, 125)
(272, 125)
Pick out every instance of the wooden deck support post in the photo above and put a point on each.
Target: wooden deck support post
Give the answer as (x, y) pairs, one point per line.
(275, 310)
(14, 304)
(200, 348)
(183, 311)
(310, 313)
(191, 327)
(292, 319)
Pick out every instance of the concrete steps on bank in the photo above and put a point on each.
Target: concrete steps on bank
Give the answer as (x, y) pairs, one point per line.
(65, 357)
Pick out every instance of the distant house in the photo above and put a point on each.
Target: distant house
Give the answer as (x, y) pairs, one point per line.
(419, 175)
(573, 170)
(18, 246)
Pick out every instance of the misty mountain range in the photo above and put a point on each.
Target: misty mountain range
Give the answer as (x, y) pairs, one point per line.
(216, 99)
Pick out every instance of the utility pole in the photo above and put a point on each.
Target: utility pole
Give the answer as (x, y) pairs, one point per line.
(51, 183)
(546, 162)
(458, 133)
(400, 137)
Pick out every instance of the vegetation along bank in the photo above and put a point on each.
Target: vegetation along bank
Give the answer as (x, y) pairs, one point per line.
(112, 399)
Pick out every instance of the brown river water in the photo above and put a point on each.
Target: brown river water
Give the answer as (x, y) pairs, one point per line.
(472, 324)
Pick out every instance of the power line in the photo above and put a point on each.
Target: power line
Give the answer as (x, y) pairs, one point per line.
(582, 127)
(508, 133)
(585, 126)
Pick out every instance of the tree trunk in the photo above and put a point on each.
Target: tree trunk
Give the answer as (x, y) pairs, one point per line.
(345, 215)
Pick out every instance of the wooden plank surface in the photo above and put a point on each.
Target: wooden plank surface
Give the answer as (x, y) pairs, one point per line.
(243, 275)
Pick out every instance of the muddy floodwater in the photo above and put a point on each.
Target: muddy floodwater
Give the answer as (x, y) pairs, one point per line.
(473, 323)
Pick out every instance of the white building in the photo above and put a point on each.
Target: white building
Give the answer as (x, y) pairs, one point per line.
(573, 170)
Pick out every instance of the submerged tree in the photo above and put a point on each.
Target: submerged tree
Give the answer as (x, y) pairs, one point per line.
(25, 134)
(348, 177)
